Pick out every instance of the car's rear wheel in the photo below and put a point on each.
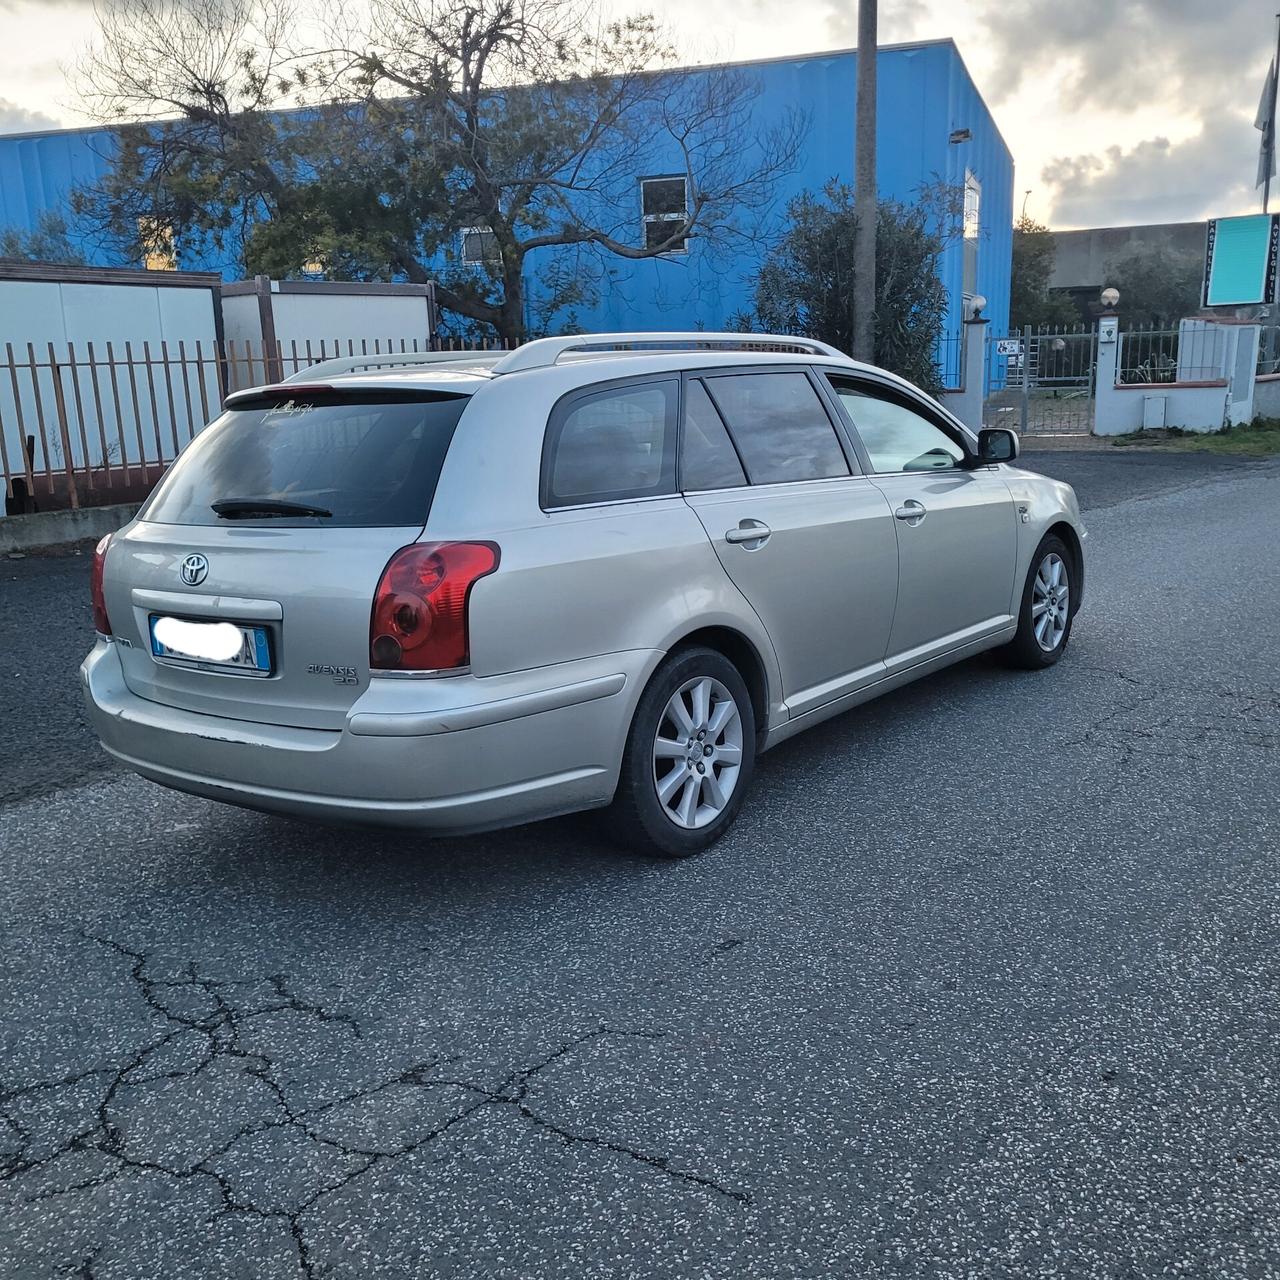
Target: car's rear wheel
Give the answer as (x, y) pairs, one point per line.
(1047, 610)
(689, 757)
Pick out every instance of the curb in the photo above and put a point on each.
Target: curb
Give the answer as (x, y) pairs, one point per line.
(53, 528)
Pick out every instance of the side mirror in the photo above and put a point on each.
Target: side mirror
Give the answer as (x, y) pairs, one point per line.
(997, 444)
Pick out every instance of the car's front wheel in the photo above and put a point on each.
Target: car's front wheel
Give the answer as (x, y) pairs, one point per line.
(1047, 610)
(689, 756)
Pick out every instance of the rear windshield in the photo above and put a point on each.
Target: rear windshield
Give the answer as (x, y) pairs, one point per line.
(369, 461)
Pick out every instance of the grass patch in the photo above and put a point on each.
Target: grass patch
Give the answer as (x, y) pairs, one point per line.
(1259, 439)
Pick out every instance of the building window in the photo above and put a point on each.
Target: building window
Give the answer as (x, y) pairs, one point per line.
(972, 230)
(479, 245)
(156, 239)
(664, 204)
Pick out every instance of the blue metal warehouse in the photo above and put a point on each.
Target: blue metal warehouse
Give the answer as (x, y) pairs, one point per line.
(933, 126)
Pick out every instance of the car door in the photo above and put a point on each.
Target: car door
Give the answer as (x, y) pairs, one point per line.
(956, 526)
(808, 541)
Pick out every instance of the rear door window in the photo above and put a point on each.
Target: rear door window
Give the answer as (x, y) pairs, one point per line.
(609, 445)
(779, 425)
(369, 460)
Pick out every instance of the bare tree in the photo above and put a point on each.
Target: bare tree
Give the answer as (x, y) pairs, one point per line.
(529, 122)
(544, 121)
(189, 85)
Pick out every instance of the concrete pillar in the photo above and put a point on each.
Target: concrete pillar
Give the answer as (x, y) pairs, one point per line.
(967, 403)
(1108, 411)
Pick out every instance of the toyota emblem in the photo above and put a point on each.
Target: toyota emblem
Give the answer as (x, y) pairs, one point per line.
(195, 568)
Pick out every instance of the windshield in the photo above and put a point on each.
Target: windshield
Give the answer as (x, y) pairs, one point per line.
(317, 459)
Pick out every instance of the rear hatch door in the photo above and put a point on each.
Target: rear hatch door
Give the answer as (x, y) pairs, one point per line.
(278, 520)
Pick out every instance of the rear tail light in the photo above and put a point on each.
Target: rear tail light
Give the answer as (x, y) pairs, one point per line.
(101, 623)
(419, 618)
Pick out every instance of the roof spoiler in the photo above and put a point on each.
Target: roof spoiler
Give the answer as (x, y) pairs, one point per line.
(388, 360)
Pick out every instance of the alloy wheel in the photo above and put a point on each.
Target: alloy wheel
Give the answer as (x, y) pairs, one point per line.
(1050, 602)
(697, 752)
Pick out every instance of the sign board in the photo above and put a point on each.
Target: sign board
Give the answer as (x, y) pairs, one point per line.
(1008, 346)
(1240, 261)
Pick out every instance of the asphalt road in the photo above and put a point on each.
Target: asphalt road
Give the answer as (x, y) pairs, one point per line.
(983, 984)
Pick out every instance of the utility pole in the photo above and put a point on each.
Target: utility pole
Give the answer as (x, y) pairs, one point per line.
(1270, 135)
(864, 189)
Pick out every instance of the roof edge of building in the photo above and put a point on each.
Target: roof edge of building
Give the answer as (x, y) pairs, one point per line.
(810, 56)
(968, 75)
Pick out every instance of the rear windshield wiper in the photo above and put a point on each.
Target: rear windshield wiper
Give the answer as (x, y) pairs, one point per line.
(248, 508)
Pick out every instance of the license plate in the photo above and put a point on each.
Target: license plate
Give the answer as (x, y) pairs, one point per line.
(203, 639)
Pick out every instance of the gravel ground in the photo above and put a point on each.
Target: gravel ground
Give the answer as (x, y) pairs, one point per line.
(983, 984)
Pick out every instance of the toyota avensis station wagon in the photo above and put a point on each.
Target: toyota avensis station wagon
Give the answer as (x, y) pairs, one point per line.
(472, 590)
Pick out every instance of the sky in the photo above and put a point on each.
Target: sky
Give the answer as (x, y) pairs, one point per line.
(1116, 111)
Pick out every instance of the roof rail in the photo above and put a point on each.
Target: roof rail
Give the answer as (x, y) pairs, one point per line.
(544, 352)
(388, 359)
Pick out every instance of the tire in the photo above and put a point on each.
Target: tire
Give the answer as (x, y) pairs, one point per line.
(674, 826)
(1035, 647)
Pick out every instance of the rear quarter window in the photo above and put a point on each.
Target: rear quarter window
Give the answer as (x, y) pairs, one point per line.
(611, 444)
(369, 461)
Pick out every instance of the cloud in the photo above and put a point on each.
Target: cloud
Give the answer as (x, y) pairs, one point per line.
(16, 119)
(1204, 176)
(1126, 54)
(900, 23)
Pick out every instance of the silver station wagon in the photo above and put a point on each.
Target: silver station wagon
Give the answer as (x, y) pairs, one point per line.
(469, 591)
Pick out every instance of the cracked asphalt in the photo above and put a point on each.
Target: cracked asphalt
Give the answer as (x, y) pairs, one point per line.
(984, 983)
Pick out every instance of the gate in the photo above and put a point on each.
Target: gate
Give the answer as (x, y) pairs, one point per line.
(1041, 382)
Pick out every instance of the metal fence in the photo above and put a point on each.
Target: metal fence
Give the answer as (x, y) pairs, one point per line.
(1188, 354)
(1269, 350)
(1041, 381)
(948, 357)
(85, 424)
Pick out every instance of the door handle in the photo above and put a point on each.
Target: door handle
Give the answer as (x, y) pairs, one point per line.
(753, 534)
(911, 511)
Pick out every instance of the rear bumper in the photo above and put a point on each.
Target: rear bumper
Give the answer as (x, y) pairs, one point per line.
(445, 756)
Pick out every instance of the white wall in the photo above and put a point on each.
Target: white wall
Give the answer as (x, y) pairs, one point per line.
(240, 322)
(1266, 397)
(331, 317)
(139, 326)
(339, 316)
(44, 311)
(1217, 361)
(1119, 410)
